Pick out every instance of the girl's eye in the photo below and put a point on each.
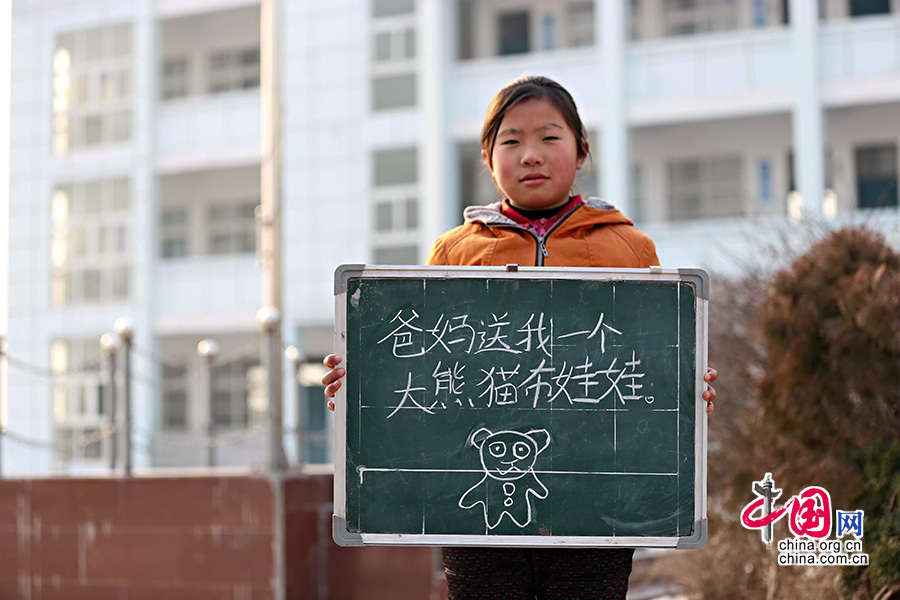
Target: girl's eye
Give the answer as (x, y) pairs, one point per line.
(550, 138)
(509, 142)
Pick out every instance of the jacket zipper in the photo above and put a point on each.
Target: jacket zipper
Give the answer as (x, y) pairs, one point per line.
(541, 250)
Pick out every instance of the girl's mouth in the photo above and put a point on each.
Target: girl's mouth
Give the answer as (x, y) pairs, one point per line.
(535, 179)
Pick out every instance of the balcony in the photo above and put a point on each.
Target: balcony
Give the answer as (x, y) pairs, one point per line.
(207, 278)
(199, 132)
(207, 293)
(860, 61)
(209, 97)
(718, 75)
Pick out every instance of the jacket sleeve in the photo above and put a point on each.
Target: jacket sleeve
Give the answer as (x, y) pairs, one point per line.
(438, 254)
(648, 255)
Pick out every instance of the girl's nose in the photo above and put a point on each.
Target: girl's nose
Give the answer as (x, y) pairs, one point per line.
(531, 158)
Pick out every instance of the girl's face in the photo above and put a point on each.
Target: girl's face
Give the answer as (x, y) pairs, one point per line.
(535, 157)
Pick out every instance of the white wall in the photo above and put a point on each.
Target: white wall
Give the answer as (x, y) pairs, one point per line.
(33, 171)
(326, 151)
(5, 49)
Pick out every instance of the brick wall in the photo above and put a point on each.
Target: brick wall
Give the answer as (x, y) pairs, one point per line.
(190, 537)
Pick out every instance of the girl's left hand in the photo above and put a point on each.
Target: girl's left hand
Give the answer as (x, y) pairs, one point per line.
(710, 394)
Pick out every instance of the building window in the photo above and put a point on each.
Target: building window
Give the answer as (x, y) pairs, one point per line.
(511, 27)
(231, 229)
(174, 233)
(208, 212)
(395, 45)
(395, 206)
(860, 8)
(396, 215)
(175, 81)
(687, 17)
(876, 176)
(513, 33)
(78, 443)
(392, 8)
(230, 391)
(394, 49)
(705, 188)
(394, 91)
(638, 194)
(396, 255)
(548, 32)
(90, 245)
(78, 400)
(174, 397)
(315, 441)
(395, 167)
(223, 227)
(233, 69)
(580, 17)
(92, 94)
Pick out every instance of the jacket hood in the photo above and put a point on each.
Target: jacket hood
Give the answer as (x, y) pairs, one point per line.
(491, 214)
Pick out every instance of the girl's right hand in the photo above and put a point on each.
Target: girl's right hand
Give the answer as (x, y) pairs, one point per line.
(332, 379)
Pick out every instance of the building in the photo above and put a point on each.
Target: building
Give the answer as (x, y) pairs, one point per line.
(135, 161)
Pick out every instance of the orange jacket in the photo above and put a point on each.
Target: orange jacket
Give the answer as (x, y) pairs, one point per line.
(592, 235)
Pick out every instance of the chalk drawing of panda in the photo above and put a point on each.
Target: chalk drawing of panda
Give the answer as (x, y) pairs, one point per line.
(508, 459)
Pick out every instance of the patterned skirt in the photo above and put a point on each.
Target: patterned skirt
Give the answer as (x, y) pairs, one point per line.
(529, 573)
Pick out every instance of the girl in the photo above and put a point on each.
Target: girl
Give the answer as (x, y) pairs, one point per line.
(533, 143)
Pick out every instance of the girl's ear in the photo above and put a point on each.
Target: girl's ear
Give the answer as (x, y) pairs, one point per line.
(584, 154)
(486, 160)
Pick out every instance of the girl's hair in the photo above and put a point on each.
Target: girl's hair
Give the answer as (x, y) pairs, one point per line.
(529, 87)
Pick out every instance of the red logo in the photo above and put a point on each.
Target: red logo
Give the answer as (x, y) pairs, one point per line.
(810, 511)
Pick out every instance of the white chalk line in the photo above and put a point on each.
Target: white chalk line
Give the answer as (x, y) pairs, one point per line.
(499, 408)
(363, 470)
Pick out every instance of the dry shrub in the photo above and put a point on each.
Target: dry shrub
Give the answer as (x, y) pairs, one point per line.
(809, 363)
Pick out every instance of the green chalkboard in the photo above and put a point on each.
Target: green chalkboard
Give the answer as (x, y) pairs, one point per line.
(520, 406)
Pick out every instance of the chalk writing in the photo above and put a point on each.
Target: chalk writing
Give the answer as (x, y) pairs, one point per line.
(526, 367)
(408, 395)
(449, 379)
(631, 375)
(535, 334)
(403, 336)
(449, 327)
(509, 485)
(408, 337)
(537, 375)
(593, 332)
(502, 393)
(493, 340)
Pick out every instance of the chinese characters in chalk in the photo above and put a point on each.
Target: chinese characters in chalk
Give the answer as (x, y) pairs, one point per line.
(528, 375)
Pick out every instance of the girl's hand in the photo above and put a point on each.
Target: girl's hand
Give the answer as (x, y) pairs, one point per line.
(710, 394)
(332, 379)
